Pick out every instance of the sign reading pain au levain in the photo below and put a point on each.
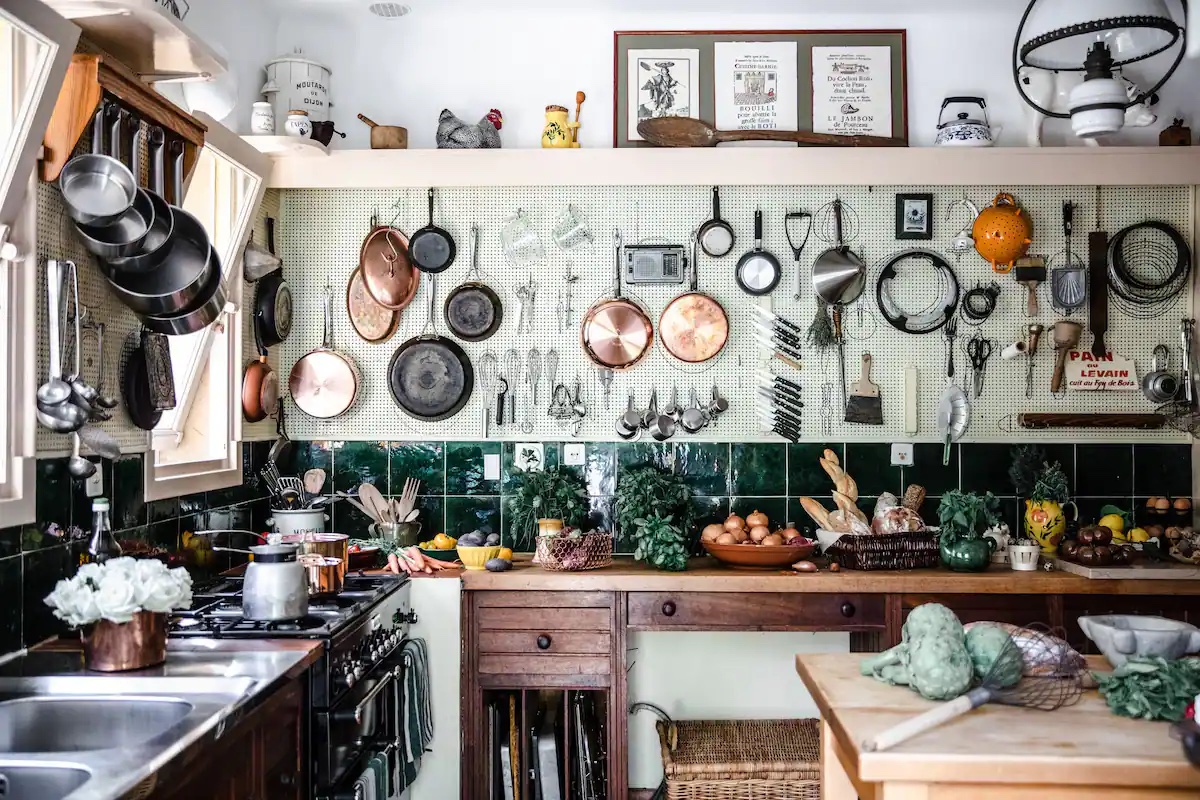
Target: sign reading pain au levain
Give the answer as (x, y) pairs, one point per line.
(1109, 372)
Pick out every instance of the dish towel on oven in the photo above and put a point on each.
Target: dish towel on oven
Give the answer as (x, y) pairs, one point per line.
(416, 713)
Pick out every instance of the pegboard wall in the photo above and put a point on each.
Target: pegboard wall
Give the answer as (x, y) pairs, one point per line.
(321, 231)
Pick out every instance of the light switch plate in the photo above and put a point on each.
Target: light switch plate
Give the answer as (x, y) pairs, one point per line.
(491, 466)
(573, 455)
(94, 486)
(902, 455)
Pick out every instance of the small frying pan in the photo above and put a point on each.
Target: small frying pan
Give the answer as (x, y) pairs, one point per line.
(716, 236)
(473, 310)
(260, 385)
(430, 376)
(432, 248)
(758, 271)
(617, 332)
(324, 383)
(273, 301)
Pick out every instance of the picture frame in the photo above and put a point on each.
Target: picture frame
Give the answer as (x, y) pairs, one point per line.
(855, 80)
(661, 83)
(914, 216)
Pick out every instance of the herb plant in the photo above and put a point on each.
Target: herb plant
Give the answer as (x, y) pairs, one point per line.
(1051, 485)
(1025, 467)
(648, 492)
(967, 515)
(660, 543)
(555, 493)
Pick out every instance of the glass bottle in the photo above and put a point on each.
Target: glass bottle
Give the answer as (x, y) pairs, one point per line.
(103, 545)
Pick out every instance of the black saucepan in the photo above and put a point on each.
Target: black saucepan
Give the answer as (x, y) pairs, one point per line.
(758, 271)
(273, 303)
(716, 236)
(432, 248)
(430, 376)
(473, 309)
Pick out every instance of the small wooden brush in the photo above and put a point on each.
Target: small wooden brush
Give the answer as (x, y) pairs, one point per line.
(1030, 272)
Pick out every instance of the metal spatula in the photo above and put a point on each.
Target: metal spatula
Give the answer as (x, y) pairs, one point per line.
(1068, 277)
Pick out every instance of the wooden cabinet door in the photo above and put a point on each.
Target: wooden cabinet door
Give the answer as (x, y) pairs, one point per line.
(280, 746)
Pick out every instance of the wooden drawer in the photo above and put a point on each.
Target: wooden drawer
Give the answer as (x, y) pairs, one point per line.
(543, 600)
(545, 642)
(527, 671)
(759, 611)
(1016, 609)
(544, 619)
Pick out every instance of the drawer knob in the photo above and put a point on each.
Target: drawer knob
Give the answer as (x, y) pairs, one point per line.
(668, 608)
(848, 609)
(544, 642)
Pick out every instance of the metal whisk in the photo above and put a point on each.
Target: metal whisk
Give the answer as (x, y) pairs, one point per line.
(1049, 677)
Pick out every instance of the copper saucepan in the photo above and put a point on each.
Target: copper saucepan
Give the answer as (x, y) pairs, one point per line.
(324, 383)
(326, 576)
(694, 327)
(330, 545)
(617, 333)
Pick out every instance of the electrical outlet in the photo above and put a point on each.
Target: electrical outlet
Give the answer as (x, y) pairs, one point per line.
(573, 455)
(902, 455)
(94, 486)
(491, 466)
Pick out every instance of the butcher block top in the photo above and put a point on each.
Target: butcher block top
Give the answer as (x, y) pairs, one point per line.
(705, 575)
(1082, 745)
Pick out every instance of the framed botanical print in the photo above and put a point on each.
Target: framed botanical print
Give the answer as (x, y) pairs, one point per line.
(914, 216)
(661, 83)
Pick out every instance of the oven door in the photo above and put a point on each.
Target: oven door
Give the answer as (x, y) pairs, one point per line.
(362, 724)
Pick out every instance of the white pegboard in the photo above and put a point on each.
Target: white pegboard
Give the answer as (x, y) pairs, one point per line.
(321, 232)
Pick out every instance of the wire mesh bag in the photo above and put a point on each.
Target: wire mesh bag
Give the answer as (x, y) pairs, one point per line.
(567, 554)
(907, 550)
(741, 759)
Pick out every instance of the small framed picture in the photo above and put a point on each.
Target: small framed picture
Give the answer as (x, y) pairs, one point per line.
(914, 216)
(662, 83)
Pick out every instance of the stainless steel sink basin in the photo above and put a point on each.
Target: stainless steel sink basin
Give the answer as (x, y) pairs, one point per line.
(44, 782)
(68, 724)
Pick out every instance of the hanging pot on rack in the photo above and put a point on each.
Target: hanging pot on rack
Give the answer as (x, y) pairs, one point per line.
(430, 377)
(273, 301)
(387, 271)
(260, 385)
(473, 309)
(694, 326)
(616, 332)
(325, 382)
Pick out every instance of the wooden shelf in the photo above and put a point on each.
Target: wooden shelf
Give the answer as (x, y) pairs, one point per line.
(287, 146)
(740, 166)
(144, 37)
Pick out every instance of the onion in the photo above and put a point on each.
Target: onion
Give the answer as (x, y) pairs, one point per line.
(789, 533)
(726, 538)
(759, 532)
(711, 532)
(740, 535)
(756, 519)
(734, 523)
(774, 540)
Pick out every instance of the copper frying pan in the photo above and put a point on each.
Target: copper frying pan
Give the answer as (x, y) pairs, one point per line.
(260, 385)
(694, 327)
(387, 269)
(616, 333)
(324, 383)
(371, 321)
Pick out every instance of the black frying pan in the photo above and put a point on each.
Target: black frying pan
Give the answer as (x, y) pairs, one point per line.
(473, 310)
(135, 390)
(758, 271)
(273, 302)
(430, 376)
(716, 236)
(431, 248)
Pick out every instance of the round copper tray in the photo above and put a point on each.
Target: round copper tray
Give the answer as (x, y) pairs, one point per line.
(617, 334)
(371, 321)
(693, 327)
(387, 271)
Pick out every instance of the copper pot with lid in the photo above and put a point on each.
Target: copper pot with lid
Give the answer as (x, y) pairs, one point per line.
(617, 333)
(386, 266)
(694, 326)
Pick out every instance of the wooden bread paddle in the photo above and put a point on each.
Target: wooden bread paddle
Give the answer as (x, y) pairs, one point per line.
(865, 405)
(688, 132)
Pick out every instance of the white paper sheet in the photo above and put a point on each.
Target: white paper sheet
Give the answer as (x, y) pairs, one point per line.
(755, 86)
(852, 90)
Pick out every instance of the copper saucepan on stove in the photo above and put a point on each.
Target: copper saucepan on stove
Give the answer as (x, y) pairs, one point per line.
(325, 575)
(694, 327)
(617, 333)
(330, 545)
(386, 266)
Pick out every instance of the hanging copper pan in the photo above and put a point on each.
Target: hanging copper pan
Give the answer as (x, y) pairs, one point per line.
(324, 383)
(371, 321)
(694, 327)
(617, 333)
(387, 269)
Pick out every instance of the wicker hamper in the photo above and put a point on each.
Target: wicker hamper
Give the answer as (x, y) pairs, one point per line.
(909, 550)
(741, 759)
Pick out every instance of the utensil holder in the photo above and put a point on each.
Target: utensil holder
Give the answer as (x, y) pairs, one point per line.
(406, 533)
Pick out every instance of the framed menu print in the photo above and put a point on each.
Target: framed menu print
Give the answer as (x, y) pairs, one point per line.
(844, 82)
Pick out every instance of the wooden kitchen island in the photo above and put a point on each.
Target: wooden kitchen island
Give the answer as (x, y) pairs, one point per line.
(993, 753)
(530, 629)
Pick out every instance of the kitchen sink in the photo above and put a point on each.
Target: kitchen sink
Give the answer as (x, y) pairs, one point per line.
(58, 724)
(44, 782)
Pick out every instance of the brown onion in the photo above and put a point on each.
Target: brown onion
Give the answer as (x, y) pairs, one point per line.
(711, 532)
(756, 519)
(740, 535)
(759, 532)
(726, 538)
(804, 566)
(774, 540)
(789, 533)
(734, 522)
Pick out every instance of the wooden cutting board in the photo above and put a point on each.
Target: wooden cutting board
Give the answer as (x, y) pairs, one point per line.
(1149, 571)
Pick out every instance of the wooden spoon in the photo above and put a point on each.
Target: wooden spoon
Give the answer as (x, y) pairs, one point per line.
(373, 499)
(688, 132)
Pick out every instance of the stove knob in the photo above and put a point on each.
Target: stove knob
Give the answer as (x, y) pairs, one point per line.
(359, 670)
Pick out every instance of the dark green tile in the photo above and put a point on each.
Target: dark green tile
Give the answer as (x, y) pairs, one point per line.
(308, 455)
(985, 468)
(230, 496)
(774, 507)
(799, 518)
(1162, 469)
(423, 461)
(704, 466)
(35, 537)
(600, 467)
(550, 452)
(870, 464)
(356, 463)
(192, 504)
(805, 475)
(758, 469)
(643, 454)
(10, 611)
(866, 504)
(927, 469)
(1104, 470)
(464, 468)
(466, 514)
(1011, 512)
(1089, 509)
(162, 510)
(432, 516)
(55, 495)
(349, 520)
(602, 513)
(707, 511)
(42, 570)
(10, 541)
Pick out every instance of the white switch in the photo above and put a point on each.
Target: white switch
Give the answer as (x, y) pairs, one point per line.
(573, 455)
(491, 466)
(902, 455)
(94, 486)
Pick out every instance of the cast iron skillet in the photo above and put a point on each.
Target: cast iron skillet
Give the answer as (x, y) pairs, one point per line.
(473, 310)
(135, 390)
(273, 302)
(430, 376)
(431, 248)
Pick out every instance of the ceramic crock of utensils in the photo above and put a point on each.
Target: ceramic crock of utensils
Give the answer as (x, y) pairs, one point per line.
(758, 271)
(716, 236)
(1123, 636)
(1159, 385)
(325, 576)
(964, 129)
(298, 521)
(275, 588)
(386, 137)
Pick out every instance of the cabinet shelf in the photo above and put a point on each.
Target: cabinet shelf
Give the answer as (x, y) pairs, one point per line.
(740, 166)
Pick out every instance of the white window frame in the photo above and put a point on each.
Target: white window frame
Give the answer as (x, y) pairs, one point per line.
(208, 387)
(45, 65)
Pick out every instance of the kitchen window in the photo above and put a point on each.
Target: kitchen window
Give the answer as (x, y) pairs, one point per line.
(197, 446)
(35, 49)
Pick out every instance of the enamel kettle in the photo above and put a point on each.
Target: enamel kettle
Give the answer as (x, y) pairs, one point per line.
(965, 129)
(276, 584)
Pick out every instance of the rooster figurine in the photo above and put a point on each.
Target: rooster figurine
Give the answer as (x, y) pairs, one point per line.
(454, 134)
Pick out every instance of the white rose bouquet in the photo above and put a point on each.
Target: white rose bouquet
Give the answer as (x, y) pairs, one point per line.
(118, 589)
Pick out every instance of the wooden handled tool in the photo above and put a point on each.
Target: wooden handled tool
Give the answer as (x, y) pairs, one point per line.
(1066, 337)
(1098, 284)
(688, 132)
(865, 406)
(1145, 422)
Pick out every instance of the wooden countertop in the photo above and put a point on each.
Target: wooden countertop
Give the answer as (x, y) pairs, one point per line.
(1084, 744)
(704, 575)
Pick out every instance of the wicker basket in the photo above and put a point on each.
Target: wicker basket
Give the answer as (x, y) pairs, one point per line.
(742, 759)
(564, 554)
(887, 551)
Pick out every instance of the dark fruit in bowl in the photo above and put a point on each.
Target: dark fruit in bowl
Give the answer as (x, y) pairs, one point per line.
(1086, 535)
(1069, 550)
(1087, 556)
(1119, 557)
(1102, 535)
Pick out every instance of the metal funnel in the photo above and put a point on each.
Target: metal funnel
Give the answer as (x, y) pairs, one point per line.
(838, 276)
(258, 261)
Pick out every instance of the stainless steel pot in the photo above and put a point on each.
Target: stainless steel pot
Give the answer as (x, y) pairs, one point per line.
(276, 585)
(97, 189)
(125, 235)
(208, 309)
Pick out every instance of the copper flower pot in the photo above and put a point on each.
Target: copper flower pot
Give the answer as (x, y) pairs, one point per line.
(118, 647)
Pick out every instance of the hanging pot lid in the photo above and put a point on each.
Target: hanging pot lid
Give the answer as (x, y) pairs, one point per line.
(387, 270)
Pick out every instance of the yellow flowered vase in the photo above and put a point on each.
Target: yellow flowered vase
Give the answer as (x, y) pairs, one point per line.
(1046, 522)
(557, 132)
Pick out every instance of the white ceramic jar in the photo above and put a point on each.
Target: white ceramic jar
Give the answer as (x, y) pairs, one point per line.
(262, 119)
(298, 124)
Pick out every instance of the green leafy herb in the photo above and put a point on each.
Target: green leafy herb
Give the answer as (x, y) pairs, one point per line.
(965, 515)
(660, 544)
(1026, 465)
(1151, 687)
(1051, 485)
(555, 493)
(647, 492)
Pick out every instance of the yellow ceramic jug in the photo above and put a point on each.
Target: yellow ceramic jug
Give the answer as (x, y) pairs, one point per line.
(557, 132)
(1046, 522)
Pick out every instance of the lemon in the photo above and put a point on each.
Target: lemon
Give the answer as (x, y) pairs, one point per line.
(443, 542)
(1114, 522)
(505, 553)
(1139, 535)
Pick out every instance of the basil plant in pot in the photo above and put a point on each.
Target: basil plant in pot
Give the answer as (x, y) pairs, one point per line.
(964, 517)
(655, 507)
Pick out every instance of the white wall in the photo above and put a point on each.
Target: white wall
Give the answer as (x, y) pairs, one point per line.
(439, 624)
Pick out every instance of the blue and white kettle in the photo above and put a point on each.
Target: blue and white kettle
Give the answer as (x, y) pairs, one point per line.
(964, 130)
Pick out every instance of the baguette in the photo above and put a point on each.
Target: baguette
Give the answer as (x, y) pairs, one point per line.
(817, 512)
(848, 507)
(838, 523)
(835, 473)
(851, 489)
(832, 456)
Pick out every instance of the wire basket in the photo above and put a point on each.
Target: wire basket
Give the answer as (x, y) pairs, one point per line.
(907, 550)
(741, 759)
(568, 554)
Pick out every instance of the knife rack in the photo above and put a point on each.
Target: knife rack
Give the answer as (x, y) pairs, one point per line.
(92, 76)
